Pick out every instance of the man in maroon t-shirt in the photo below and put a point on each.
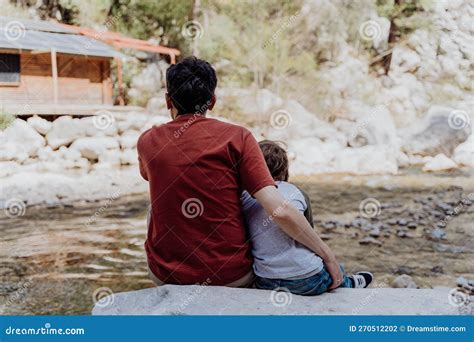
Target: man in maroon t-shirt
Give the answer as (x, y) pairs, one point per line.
(197, 168)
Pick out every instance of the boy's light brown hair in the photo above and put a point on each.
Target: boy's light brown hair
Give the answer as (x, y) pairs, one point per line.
(276, 159)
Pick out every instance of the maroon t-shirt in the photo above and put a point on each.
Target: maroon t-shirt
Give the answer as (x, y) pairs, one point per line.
(197, 168)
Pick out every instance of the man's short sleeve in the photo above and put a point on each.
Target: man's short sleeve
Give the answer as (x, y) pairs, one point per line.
(254, 173)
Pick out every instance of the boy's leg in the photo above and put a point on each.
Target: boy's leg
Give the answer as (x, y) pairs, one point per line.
(346, 280)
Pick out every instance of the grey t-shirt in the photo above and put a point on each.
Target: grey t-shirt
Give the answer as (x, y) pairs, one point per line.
(277, 255)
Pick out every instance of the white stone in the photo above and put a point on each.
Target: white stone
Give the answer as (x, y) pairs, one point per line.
(404, 281)
(219, 300)
(132, 121)
(370, 159)
(69, 153)
(64, 131)
(155, 120)
(19, 141)
(129, 139)
(93, 147)
(102, 124)
(41, 125)
(435, 133)
(111, 157)
(464, 153)
(129, 156)
(156, 105)
(8, 168)
(45, 153)
(439, 163)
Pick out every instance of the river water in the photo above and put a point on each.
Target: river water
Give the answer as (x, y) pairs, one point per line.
(59, 260)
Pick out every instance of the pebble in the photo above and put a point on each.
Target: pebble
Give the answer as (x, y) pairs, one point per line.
(326, 236)
(402, 222)
(375, 232)
(370, 240)
(329, 225)
(403, 234)
(392, 222)
(404, 282)
(437, 234)
(443, 248)
(412, 225)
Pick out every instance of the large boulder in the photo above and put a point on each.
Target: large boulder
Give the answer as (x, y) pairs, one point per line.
(366, 160)
(41, 125)
(291, 121)
(19, 141)
(464, 153)
(368, 125)
(129, 139)
(438, 163)
(129, 156)
(64, 131)
(441, 131)
(219, 300)
(93, 147)
(8, 168)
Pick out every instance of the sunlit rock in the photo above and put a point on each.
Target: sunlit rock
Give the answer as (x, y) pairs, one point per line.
(93, 147)
(439, 163)
(19, 141)
(41, 125)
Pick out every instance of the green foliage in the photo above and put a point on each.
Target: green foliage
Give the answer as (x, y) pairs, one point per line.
(146, 19)
(258, 41)
(5, 119)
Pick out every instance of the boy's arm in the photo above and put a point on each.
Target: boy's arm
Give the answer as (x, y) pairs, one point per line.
(296, 226)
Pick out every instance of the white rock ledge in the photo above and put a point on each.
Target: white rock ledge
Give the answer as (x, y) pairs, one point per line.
(218, 300)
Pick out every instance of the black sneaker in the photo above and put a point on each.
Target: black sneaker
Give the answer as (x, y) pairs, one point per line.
(362, 279)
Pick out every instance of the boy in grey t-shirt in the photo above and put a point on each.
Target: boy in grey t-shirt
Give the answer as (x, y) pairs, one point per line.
(280, 261)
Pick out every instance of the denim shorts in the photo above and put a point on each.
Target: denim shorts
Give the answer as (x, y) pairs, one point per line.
(311, 286)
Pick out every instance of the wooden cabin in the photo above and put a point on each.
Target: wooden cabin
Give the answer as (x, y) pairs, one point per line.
(49, 67)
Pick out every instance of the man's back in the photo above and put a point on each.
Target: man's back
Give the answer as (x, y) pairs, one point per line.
(197, 169)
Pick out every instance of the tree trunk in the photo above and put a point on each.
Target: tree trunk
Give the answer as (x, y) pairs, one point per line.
(196, 11)
(392, 37)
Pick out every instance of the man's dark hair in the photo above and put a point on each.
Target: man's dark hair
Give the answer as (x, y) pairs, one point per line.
(276, 159)
(191, 84)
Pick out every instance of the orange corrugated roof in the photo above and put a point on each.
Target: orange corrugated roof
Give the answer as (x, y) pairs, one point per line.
(120, 41)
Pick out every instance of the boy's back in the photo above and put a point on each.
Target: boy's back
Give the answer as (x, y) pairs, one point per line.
(276, 255)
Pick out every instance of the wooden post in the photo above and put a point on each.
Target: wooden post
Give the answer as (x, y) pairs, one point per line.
(106, 83)
(54, 66)
(120, 81)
